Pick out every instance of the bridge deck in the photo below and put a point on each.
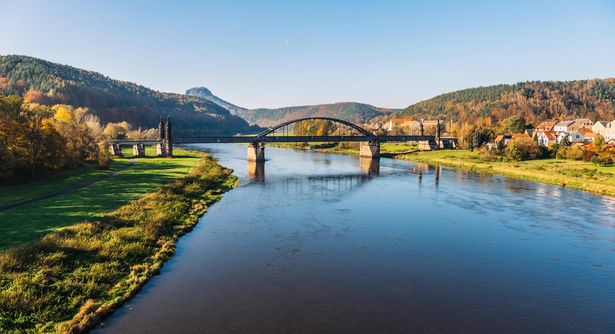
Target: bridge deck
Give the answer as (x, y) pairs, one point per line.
(299, 139)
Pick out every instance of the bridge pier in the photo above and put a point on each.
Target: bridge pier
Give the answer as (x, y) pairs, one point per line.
(115, 150)
(256, 152)
(160, 150)
(138, 150)
(428, 145)
(370, 150)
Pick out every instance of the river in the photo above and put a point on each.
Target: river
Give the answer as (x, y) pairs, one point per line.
(322, 243)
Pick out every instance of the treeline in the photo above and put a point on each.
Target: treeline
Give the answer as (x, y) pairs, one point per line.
(111, 100)
(36, 139)
(535, 101)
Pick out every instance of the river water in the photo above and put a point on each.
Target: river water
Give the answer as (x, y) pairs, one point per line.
(325, 243)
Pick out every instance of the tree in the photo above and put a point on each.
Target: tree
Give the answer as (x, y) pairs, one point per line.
(514, 124)
(522, 149)
(481, 135)
(598, 142)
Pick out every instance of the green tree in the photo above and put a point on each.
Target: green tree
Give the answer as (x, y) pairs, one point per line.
(514, 124)
(522, 149)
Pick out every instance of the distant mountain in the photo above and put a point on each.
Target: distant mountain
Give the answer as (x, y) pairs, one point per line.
(535, 100)
(206, 94)
(354, 112)
(114, 100)
(358, 113)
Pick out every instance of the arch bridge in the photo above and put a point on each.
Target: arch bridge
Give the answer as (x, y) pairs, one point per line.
(370, 142)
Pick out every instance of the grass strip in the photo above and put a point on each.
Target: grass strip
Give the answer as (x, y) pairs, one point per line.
(73, 277)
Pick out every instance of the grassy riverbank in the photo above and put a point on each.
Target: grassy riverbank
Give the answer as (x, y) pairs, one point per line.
(72, 277)
(569, 173)
(581, 175)
(32, 221)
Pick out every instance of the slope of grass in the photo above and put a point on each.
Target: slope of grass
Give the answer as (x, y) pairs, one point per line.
(569, 173)
(56, 182)
(73, 277)
(34, 220)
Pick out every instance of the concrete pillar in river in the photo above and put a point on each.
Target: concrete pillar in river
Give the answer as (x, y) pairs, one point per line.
(428, 145)
(256, 152)
(370, 150)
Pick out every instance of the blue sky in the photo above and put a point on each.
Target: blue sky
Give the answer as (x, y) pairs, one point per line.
(282, 53)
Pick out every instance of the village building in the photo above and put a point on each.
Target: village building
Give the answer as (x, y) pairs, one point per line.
(545, 126)
(530, 132)
(600, 128)
(573, 136)
(563, 126)
(581, 123)
(609, 133)
(546, 138)
(399, 123)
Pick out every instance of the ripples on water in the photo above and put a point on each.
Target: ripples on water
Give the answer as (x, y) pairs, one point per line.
(322, 243)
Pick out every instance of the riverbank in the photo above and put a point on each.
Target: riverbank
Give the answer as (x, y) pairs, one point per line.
(580, 175)
(71, 278)
(96, 192)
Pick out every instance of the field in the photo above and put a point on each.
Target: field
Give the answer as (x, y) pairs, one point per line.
(569, 173)
(34, 220)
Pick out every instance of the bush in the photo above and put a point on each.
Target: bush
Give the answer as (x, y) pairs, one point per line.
(522, 149)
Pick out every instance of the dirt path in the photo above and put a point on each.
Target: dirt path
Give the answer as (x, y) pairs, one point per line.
(67, 191)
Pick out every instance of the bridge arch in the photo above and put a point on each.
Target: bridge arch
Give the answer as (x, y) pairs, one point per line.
(361, 130)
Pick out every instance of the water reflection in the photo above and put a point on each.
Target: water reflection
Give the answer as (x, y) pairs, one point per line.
(369, 166)
(256, 171)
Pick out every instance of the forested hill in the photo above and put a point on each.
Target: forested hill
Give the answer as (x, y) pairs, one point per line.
(112, 100)
(535, 100)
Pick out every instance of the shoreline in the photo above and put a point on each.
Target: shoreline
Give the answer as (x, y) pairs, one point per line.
(118, 253)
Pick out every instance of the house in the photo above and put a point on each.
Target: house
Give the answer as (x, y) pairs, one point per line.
(563, 126)
(581, 123)
(545, 126)
(516, 136)
(600, 128)
(573, 136)
(609, 132)
(546, 138)
(398, 123)
(502, 140)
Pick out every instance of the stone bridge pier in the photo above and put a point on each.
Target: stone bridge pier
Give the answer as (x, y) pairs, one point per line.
(256, 152)
(138, 150)
(370, 150)
(115, 150)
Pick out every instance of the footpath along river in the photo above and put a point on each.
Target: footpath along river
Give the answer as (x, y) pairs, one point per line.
(320, 243)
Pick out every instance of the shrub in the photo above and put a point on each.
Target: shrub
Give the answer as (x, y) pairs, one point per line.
(522, 149)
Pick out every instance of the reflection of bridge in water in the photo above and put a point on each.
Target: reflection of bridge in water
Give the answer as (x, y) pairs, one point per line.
(369, 168)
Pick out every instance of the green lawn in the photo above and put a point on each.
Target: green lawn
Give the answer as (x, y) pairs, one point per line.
(575, 174)
(31, 221)
(57, 182)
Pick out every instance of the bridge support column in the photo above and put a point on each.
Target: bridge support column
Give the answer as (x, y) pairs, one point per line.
(428, 145)
(138, 150)
(370, 150)
(256, 152)
(115, 150)
(160, 150)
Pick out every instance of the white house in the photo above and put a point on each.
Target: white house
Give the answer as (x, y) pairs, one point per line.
(600, 128)
(581, 123)
(563, 126)
(546, 138)
(573, 136)
(609, 131)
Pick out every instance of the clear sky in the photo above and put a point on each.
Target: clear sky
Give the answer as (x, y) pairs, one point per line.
(280, 53)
